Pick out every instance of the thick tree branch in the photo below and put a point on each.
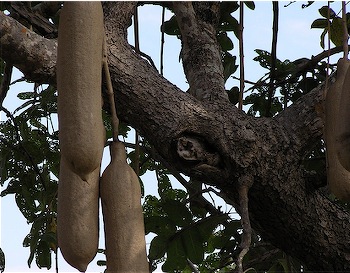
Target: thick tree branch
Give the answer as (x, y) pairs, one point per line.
(201, 53)
(284, 208)
(268, 149)
(25, 14)
(304, 120)
(34, 55)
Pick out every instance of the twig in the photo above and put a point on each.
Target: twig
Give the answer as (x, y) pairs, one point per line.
(137, 137)
(245, 183)
(241, 57)
(147, 57)
(162, 43)
(115, 120)
(345, 30)
(329, 45)
(192, 266)
(273, 58)
(56, 260)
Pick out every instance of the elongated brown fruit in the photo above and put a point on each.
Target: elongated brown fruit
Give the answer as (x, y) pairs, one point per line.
(343, 128)
(337, 176)
(77, 216)
(81, 130)
(122, 214)
(79, 76)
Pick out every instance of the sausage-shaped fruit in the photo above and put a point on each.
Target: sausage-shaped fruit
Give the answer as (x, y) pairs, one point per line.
(79, 76)
(343, 121)
(77, 216)
(337, 176)
(122, 214)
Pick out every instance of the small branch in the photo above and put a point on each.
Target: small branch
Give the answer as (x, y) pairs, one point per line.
(345, 30)
(47, 9)
(162, 43)
(115, 120)
(245, 183)
(24, 13)
(144, 55)
(241, 57)
(268, 255)
(192, 266)
(273, 59)
(328, 40)
(311, 63)
(137, 137)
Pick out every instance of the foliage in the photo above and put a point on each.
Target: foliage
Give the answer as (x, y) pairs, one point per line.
(2, 261)
(332, 23)
(29, 167)
(189, 228)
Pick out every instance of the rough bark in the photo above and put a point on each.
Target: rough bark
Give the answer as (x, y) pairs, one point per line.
(34, 55)
(285, 207)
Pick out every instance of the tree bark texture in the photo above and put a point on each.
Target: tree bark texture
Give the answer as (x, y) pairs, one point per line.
(204, 136)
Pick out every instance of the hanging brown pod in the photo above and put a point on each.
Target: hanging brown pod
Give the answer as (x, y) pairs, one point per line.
(81, 130)
(343, 122)
(338, 176)
(77, 216)
(122, 214)
(79, 78)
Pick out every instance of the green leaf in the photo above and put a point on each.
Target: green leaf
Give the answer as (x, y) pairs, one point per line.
(176, 257)
(31, 240)
(36, 123)
(2, 261)
(307, 84)
(193, 244)
(229, 63)
(322, 38)
(160, 225)
(51, 239)
(229, 23)
(158, 248)
(24, 105)
(227, 7)
(320, 23)
(222, 239)
(26, 204)
(101, 263)
(26, 95)
(324, 12)
(264, 58)
(224, 41)
(43, 256)
(250, 4)
(207, 225)
(309, 3)
(177, 212)
(171, 27)
(337, 31)
(233, 94)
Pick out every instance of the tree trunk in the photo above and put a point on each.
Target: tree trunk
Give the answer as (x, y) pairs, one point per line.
(286, 207)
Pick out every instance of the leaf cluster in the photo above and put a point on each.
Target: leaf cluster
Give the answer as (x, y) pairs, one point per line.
(331, 23)
(29, 169)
